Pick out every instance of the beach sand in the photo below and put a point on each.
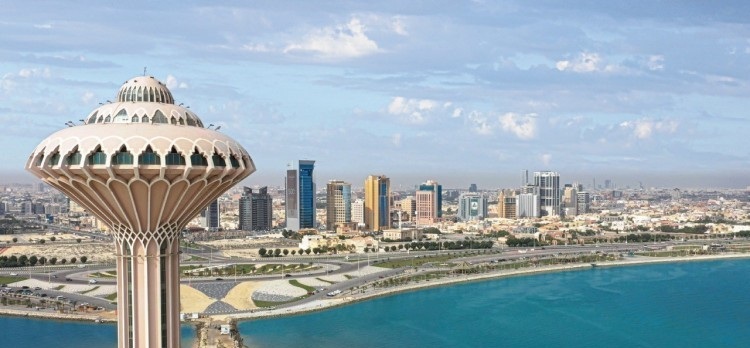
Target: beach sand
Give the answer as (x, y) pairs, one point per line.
(192, 300)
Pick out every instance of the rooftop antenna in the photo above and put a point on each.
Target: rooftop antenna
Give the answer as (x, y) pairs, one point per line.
(144, 71)
(217, 128)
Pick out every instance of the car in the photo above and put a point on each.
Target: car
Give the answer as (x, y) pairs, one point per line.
(43, 295)
(92, 281)
(13, 274)
(24, 287)
(37, 288)
(287, 275)
(68, 280)
(54, 276)
(219, 278)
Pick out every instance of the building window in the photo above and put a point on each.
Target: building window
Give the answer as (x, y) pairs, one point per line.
(92, 118)
(149, 157)
(144, 119)
(98, 157)
(159, 117)
(100, 119)
(173, 120)
(40, 160)
(54, 159)
(218, 160)
(135, 119)
(234, 161)
(196, 159)
(123, 156)
(174, 158)
(74, 159)
(107, 119)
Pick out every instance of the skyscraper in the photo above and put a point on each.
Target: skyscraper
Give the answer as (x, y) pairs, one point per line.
(429, 203)
(549, 192)
(527, 205)
(506, 204)
(472, 206)
(300, 196)
(377, 202)
(256, 210)
(211, 216)
(584, 202)
(358, 211)
(570, 200)
(338, 203)
(145, 167)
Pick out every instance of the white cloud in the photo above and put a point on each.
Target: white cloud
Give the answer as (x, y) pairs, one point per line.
(263, 48)
(341, 42)
(87, 97)
(26, 73)
(398, 27)
(645, 128)
(655, 63)
(545, 158)
(172, 83)
(414, 111)
(479, 123)
(522, 126)
(586, 62)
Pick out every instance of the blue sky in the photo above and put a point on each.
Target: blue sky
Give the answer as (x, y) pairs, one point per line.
(457, 91)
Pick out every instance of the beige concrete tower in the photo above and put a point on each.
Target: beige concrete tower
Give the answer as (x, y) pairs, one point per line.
(145, 167)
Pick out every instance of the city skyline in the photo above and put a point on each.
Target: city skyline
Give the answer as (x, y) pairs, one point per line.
(645, 92)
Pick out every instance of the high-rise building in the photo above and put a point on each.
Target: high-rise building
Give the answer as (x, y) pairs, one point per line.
(338, 203)
(549, 192)
(408, 206)
(472, 206)
(358, 211)
(256, 210)
(377, 212)
(506, 204)
(570, 200)
(161, 167)
(429, 203)
(300, 196)
(527, 205)
(584, 202)
(212, 217)
(473, 188)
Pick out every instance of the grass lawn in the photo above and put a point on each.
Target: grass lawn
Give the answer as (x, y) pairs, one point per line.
(111, 297)
(300, 285)
(10, 279)
(414, 261)
(90, 290)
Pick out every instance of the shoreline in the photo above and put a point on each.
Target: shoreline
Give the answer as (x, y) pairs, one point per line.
(343, 300)
(322, 305)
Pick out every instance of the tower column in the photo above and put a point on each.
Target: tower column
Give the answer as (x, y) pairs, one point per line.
(148, 293)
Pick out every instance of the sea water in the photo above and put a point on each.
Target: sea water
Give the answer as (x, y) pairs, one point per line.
(688, 304)
(18, 332)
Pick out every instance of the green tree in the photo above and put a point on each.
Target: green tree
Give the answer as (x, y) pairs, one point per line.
(53, 261)
(15, 240)
(307, 251)
(73, 260)
(41, 241)
(63, 261)
(52, 239)
(78, 240)
(33, 260)
(277, 252)
(294, 252)
(84, 259)
(300, 251)
(286, 252)
(42, 260)
(262, 252)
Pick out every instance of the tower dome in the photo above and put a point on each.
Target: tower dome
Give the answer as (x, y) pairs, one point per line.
(145, 89)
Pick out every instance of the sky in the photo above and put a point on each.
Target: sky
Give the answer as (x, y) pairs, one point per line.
(460, 92)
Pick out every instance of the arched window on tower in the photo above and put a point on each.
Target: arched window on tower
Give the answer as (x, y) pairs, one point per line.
(54, 159)
(151, 94)
(144, 119)
(149, 157)
(97, 157)
(234, 161)
(174, 158)
(92, 118)
(135, 119)
(218, 160)
(122, 156)
(196, 159)
(159, 117)
(74, 159)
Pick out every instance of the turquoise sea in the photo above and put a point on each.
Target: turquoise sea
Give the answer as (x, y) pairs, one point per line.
(21, 332)
(690, 304)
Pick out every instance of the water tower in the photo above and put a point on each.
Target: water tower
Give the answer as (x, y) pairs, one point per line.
(145, 167)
